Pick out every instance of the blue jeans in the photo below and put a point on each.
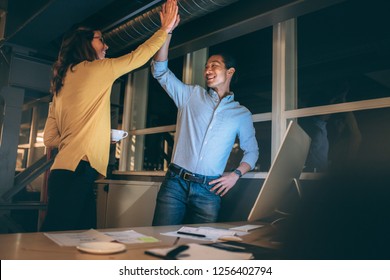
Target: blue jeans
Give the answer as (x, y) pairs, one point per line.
(180, 201)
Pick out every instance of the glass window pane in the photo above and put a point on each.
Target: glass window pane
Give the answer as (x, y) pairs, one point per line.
(339, 139)
(263, 136)
(21, 159)
(253, 53)
(25, 127)
(161, 109)
(150, 152)
(343, 53)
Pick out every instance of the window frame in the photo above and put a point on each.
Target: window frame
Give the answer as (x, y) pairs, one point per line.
(284, 91)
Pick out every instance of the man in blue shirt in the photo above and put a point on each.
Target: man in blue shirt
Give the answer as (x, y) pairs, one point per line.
(208, 123)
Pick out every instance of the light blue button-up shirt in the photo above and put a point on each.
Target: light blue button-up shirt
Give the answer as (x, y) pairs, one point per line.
(206, 128)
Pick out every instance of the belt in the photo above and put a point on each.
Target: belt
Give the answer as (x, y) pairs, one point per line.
(187, 175)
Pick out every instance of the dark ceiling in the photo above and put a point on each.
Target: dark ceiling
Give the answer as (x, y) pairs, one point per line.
(40, 24)
(358, 28)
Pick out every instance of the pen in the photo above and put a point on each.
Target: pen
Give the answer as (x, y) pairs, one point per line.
(190, 233)
(176, 241)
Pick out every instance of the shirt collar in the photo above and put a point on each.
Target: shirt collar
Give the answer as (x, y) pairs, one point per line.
(215, 95)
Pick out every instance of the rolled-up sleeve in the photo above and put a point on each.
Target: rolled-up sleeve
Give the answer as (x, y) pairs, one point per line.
(248, 142)
(176, 89)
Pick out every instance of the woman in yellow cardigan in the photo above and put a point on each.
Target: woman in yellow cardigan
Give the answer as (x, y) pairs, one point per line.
(78, 122)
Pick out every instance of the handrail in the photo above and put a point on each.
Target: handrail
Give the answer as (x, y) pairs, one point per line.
(21, 181)
(27, 176)
(26, 205)
(27, 171)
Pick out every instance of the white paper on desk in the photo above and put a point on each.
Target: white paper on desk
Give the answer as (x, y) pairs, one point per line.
(130, 236)
(201, 252)
(246, 228)
(212, 234)
(75, 238)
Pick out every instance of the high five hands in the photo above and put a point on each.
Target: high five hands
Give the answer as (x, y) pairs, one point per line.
(169, 16)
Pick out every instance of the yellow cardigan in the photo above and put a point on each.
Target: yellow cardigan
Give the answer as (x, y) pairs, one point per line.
(78, 122)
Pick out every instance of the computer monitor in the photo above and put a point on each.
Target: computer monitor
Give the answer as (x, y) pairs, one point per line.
(283, 174)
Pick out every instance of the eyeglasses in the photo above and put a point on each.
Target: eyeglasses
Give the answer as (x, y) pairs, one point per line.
(100, 38)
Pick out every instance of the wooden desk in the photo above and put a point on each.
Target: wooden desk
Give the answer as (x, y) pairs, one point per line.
(36, 246)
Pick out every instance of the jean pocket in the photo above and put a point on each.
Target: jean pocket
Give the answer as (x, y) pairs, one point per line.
(208, 188)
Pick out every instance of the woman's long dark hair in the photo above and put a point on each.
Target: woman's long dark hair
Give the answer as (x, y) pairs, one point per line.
(75, 48)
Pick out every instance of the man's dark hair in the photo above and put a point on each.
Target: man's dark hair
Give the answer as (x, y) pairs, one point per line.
(230, 62)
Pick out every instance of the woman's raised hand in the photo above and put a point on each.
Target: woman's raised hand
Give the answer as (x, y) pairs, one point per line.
(169, 15)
